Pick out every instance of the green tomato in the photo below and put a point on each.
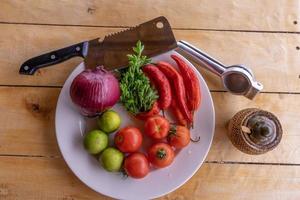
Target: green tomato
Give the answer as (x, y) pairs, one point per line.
(112, 159)
(109, 121)
(95, 141)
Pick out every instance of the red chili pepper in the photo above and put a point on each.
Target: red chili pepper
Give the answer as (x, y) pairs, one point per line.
(145, 115)
(162, 85)
(178, 87)
(177, 114)
(191, 82)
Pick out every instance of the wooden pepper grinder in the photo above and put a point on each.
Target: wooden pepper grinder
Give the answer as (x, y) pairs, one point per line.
(254, 131)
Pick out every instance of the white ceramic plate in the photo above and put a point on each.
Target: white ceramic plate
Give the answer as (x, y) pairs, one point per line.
(71, 126)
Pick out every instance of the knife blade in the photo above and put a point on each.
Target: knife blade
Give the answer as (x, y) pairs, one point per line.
(112, 50)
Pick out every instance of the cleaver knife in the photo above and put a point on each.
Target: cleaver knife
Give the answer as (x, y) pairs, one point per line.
(158, 38)
(112, 50)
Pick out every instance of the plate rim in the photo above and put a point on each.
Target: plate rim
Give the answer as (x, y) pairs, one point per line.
(170, 190)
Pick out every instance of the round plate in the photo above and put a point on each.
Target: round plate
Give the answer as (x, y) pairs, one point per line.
(71, 126)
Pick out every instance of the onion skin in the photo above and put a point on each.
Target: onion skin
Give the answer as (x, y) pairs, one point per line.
(95, 91)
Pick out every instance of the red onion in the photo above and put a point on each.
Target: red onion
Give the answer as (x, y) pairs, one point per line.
(95, 91)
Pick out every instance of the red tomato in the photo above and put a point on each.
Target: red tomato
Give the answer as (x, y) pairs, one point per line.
(128, 139)
(161, 155)
(179, 136)
(157, 127)
(136, 165)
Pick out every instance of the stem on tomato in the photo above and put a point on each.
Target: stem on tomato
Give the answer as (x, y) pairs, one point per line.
(161, 153)
(172, 129)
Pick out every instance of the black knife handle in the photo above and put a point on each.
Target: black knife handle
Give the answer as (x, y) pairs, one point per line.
(53, 57)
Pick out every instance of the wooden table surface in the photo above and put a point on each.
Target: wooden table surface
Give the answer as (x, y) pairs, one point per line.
(262, 34)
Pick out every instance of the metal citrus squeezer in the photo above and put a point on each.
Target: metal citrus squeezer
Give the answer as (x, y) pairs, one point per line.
(236, 79)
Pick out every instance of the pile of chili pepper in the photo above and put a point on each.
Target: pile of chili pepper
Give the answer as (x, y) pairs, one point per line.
(179, 90)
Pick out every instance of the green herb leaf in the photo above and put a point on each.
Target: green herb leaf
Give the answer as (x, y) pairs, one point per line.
(137, 93)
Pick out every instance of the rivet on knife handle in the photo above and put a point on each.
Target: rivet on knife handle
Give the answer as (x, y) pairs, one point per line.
(54, 57)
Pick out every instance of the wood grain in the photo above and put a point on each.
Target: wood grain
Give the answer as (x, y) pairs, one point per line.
(27, 121)
(264, 53)
(235, 182)
(27, 127)
(285, 107)
(260, 34)
(53, 180)
(41, 178)
(266, 15)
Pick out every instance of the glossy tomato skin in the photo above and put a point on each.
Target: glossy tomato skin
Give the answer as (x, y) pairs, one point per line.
(179, 137)
(128, 139)
(136, 165)
(161, 155)
(157, 127)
